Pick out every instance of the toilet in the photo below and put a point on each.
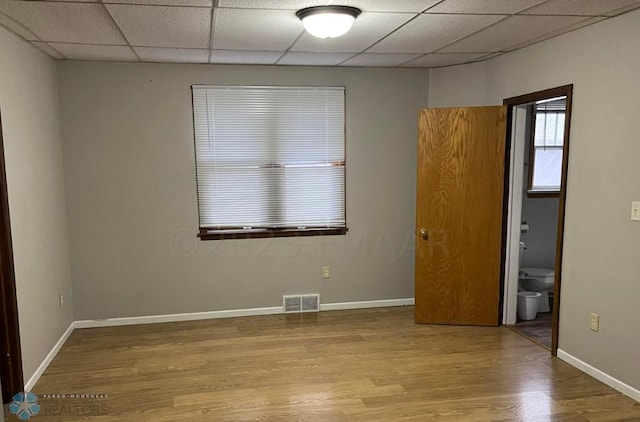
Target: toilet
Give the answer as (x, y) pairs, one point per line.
(538, 280)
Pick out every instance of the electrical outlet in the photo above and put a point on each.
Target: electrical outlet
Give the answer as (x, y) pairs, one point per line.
(61, 297)
(326, 272)
(635, 211)
(595, 322)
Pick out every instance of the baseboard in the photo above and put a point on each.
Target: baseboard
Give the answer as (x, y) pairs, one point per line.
(195, 316)
(47, 360)
(366, 304)
(603, 377)
(192, 316)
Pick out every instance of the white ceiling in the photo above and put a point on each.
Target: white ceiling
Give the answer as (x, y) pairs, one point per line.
(389, 33)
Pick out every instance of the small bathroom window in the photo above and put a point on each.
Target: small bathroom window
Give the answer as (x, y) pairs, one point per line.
(547, 144)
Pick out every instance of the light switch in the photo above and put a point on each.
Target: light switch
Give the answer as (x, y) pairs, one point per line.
(635, 211)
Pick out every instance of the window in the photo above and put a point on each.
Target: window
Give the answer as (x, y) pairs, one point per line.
(270, 161)
(545, 155)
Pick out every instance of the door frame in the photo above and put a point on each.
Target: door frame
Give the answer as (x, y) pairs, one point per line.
(511, 103)
(10, 351)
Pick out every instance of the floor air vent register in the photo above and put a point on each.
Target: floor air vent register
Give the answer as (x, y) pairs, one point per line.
(301, 303)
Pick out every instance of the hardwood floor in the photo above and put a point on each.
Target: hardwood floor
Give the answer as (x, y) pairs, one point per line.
(361, 365)
(538, 330)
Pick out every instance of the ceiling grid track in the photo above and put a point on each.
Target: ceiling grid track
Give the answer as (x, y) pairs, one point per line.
(214, 12)
(28, 30)
(290, 47)
(124, 37)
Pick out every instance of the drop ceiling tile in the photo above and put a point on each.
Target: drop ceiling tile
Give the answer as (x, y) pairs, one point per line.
(428, 33)
(271, 4)
(314, 59)
(379, 59)
(512, 31)
(65, 22)
(244, 57)
(95, 52)
(366, 30)
(184, 3)
(172, 55)
(439, 60)
(497, 7)
(623, 10)
(46, 48)
(17, 27)
(581, 24)
(269, 30)
(163, 26)
(407, 6)
(403, 6)
(579, 7)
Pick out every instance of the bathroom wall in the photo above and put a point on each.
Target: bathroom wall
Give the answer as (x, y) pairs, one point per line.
(542, 216)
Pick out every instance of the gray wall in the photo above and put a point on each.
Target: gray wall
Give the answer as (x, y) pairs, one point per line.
(601, 265)
(33, 155)
(131, 196)
(542, 216)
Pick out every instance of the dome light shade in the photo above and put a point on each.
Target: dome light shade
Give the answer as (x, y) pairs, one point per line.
(328, 21)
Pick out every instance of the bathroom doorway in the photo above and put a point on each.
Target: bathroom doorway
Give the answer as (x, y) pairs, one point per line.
(538, 127)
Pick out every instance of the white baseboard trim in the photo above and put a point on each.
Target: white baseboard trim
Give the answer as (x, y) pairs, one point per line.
(366, 304)
(195, 316)
(603, 377)
(47, 360)
(191, 316)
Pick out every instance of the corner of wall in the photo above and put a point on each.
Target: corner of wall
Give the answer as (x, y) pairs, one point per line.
(37, 203)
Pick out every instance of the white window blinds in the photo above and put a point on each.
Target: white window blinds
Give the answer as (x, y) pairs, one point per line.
(269, 157)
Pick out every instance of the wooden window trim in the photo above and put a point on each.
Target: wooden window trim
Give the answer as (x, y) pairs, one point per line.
(219, 234)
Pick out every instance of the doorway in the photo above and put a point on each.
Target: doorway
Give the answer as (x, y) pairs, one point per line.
(538, 130)
(10, 355)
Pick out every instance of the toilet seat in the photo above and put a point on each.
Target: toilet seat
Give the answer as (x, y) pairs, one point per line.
(537, 272)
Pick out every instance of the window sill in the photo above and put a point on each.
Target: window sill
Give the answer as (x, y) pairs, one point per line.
(543, 193)
(268, 233)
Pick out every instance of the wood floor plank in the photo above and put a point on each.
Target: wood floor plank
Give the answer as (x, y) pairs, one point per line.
(360, 365)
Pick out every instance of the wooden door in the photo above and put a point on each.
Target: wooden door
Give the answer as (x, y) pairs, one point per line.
(461, 161)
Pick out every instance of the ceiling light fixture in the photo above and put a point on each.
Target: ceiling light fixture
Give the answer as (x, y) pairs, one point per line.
(328, 21)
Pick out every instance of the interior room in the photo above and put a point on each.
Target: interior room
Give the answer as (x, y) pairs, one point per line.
(133, 137)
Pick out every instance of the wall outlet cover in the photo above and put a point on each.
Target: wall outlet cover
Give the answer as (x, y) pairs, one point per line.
(595, 322)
